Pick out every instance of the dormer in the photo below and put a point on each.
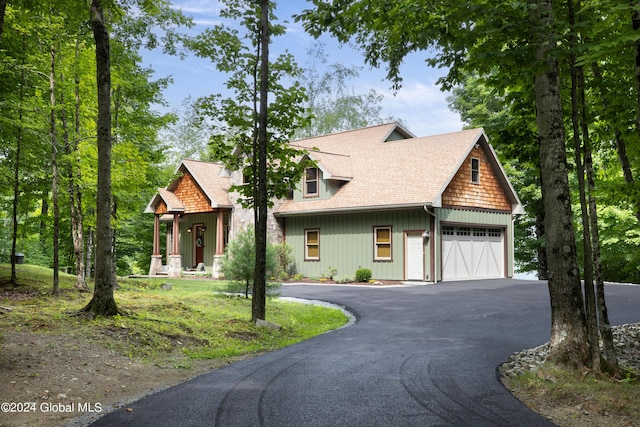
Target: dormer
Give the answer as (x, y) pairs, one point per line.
(330, 173)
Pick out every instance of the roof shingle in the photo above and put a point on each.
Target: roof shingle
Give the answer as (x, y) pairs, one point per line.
(406, 172)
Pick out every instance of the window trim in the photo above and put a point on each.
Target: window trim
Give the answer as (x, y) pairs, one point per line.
(306, 244)
(305, 193)
(376, 244)
(475, 171)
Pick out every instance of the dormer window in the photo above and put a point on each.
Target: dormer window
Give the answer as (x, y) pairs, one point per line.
(475, 170)
(310, 185)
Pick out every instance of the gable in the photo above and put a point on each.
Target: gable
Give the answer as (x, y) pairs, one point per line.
(488, 193)
(161, 208)
(191, 195)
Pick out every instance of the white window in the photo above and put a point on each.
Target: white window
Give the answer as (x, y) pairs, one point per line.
(475, 170)
(494, 232)
(312, 245)
(447, 231)
(479, 232)
(463, 231)
(310, 185)
(382, 243)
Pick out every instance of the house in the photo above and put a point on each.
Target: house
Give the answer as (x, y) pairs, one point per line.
(426, 209)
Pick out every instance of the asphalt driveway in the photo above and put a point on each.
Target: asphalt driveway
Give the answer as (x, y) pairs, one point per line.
(416, 356)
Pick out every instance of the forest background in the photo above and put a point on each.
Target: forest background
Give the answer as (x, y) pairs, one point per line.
(49, 157)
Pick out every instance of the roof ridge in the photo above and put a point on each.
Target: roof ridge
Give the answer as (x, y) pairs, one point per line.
(317, 150)
(347, 131)
(202, 161)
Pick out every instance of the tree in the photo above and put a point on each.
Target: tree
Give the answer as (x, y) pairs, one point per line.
(68, 131)
(251, 130)
(240, 260)
(569, 342)
(334, 106)
(103, 302)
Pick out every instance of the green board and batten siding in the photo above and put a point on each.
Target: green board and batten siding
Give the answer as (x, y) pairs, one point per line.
(187, 244)
(346, 241)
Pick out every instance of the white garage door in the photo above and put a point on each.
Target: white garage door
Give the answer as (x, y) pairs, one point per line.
(472, 253)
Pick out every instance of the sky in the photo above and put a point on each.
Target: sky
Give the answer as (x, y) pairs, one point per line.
(419, 103)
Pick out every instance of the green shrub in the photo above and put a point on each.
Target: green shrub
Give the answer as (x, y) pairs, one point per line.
(343, 279)
(240, 259)
(286, 260)
(330, 273)
(363, 275)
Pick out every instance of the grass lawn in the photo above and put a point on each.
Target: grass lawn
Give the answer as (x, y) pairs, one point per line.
(191, 320)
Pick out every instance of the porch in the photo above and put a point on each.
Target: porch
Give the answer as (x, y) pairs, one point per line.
(194, 244)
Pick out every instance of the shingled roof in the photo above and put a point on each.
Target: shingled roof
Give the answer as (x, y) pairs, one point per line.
(385, 172)
(209, 177)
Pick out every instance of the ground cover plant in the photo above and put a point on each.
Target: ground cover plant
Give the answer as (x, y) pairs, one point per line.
(578, 399)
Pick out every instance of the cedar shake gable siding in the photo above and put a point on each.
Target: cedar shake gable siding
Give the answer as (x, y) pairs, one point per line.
(161, 208)
(487, 194)
(191, 195)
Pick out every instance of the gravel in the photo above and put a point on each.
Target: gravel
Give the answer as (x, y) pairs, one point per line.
(626, 339)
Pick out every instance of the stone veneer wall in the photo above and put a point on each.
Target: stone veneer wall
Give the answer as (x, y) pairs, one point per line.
(241, 218)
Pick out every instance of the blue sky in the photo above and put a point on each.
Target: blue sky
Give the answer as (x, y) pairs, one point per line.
(419, 103)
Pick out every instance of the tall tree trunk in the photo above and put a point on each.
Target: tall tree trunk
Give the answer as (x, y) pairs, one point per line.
(89, 264)
(569, 343)
(103, 302)
(577, 105)
(541, 251)
(608, 349)
(114, 216)
(258, 302)
(3, 7)
(75, 207)
(16, 170)
(44, 213)
(54, 173)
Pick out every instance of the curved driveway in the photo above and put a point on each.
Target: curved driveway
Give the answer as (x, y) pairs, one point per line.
(417, 356)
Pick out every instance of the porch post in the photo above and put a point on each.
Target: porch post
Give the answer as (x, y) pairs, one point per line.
(220, 233)
(216, 272)
(175, 259)
(156, 256)
(156, 235)
(176, 236)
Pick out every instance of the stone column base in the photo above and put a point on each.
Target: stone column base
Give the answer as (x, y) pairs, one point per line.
(156, 265)
(216, 270)
(175, 265)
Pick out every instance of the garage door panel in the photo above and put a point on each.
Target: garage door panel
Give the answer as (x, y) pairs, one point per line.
(480, 257)
(476, 255)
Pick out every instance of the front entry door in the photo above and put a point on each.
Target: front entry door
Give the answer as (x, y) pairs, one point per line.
(414, 256)
(199, 236)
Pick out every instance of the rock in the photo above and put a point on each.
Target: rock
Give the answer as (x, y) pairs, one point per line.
(624, 338)
(266, 324)
(165, 286)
